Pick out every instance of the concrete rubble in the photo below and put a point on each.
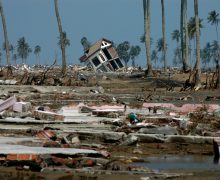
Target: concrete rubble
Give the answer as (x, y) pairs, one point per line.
(43, 128)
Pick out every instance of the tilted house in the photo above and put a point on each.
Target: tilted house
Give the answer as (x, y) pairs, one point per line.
(102, 57)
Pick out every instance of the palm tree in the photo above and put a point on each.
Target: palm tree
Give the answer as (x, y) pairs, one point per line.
(164, 37)
(66, 41)
(192, 31)
(134, 52)
(175, 35)
(37, 50)
(14, 58)
(215, 51)
(11, 49)
(206, 54)
(85, 43)
(177, 56)
(213, 19)
(197, 65)
(123, 52)
(216, 57)
(184, 36)
(62, 45)
(192, 27)
(23, 49)
(154, 57)
(160, 46)
(146, 6)
(5, 33)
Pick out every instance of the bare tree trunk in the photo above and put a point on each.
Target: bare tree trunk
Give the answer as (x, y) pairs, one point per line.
(146, 5)
(61, 38)
(164, 36)
(186, 65)
(5, 33)
(197, 65)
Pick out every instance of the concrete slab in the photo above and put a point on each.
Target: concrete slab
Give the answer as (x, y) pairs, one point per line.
(20, 149)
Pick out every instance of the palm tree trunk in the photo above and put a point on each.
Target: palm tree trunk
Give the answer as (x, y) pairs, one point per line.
(5, 33)
(217, 64)
(216, 29)
(164, 36)
(61, 37)
(181, 32)
(186, 44)
(146, 6)
(197, 65)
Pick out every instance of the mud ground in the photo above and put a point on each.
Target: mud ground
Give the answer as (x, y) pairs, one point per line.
(133, 91)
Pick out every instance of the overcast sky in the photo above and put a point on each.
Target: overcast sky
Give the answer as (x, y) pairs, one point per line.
(116, 20)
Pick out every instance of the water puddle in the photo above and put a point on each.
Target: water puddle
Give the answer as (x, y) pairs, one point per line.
(174, 162)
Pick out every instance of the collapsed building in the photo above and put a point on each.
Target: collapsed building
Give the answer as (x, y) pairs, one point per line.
(102, 57)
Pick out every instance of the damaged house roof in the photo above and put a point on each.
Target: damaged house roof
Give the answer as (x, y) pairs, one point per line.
(102, 56)
(93, 49)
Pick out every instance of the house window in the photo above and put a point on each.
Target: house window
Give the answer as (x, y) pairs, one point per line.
(107, 54)
(102, 57)
(110, 67)
(96, 61)
(118, 61)
(114, 65)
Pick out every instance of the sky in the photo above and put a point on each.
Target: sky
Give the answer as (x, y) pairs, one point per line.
(116, 20)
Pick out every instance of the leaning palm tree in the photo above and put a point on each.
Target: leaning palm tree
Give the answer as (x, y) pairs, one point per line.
(184, 36)
(62, 46)
(37, 50)
(5, 33)
(147, 35)
(197, 65)
(213, 19)
(164, 36)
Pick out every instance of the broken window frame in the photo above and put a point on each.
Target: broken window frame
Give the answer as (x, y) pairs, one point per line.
(119, 63)
(96, 61)
(114, 65)
(107, 54)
